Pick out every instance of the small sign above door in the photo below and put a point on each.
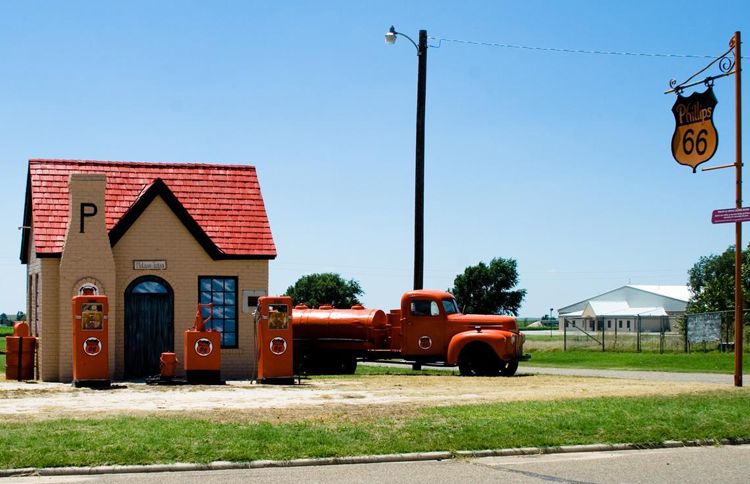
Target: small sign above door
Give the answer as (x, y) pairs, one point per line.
(149, 265)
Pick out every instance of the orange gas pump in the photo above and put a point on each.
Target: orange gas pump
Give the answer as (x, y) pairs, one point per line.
(90, 345)
(274, 337)
(202, 351)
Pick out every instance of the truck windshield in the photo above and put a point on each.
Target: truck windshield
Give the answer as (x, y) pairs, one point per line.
(450, 306)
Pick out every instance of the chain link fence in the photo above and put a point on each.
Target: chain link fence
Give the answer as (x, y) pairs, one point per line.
(666, 334)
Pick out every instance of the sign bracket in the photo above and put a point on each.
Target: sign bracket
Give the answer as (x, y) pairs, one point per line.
(726, 66)
(719, 167)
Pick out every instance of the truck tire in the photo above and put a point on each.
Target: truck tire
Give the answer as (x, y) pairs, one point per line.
(478, 359)
(335, 364)
(348, 365)
(509, 369)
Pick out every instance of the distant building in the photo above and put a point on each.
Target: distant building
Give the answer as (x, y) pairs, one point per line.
(157, 239)
(650, 308)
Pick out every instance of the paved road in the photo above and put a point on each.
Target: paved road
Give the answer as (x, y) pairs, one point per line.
(637, 375)
(525, 369)
(730, 464)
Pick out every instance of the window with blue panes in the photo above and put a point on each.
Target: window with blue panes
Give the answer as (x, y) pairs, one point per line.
(222, 293)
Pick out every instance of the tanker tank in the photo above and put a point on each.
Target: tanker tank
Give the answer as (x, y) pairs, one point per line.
(355, 328)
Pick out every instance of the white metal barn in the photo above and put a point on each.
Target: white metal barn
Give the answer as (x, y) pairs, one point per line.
(650, 308)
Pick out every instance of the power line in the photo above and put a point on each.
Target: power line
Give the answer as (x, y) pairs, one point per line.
(569, 51)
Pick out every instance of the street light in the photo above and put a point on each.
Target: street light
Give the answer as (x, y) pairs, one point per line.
(390, 38)
(550, 321)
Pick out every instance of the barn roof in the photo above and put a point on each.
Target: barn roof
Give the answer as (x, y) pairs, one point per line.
(680, 293)
(595, 309)
(221, 205)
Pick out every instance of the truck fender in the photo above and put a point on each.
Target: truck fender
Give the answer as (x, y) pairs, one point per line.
(496, 339)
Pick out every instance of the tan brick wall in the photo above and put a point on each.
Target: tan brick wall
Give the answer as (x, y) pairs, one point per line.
(46, 274)
(33, 269)
(49, 354)
(159, 235)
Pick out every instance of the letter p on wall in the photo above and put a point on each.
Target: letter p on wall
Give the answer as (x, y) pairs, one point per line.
(87, 210)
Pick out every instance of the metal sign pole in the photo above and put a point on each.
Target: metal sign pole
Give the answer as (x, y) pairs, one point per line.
(738, 299)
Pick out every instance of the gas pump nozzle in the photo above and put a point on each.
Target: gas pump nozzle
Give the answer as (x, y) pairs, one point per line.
(200, 323)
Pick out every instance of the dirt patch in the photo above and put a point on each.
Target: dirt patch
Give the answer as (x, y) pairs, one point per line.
(316, 399)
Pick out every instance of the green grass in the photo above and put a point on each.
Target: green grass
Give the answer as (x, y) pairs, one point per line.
(709, 362)
(4, 331)
(402, 370)
(130, 440)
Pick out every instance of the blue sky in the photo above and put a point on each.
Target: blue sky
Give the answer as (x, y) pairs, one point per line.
(560, 161)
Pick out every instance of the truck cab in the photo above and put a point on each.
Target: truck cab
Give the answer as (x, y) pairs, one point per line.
(432, 329)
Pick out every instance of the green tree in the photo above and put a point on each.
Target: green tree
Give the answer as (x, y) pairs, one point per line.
(4, 318)
(488, 289)
(326, 288)
(712, 281)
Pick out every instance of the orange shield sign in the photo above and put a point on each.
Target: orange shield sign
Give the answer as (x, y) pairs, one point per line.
(695, 138)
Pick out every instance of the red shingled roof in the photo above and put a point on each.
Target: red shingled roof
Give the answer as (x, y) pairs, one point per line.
(222, 201)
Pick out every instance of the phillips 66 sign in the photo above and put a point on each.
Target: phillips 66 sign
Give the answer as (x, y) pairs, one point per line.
(695, 138)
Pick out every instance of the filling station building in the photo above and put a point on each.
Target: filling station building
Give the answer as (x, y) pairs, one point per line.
(157, 239)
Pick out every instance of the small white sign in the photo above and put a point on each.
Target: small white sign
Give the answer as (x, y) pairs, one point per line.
(149, 265)
(250, 299)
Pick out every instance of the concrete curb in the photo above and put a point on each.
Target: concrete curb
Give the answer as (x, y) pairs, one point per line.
(364, 459)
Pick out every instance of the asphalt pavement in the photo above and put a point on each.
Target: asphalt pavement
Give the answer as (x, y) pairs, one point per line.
(525, 369)
(636, 375)
(686, 465)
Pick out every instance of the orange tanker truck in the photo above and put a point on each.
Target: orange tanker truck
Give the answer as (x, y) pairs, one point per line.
(428, 328)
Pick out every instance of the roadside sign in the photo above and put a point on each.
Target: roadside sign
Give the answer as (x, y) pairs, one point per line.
(695, 138)
(730, 215)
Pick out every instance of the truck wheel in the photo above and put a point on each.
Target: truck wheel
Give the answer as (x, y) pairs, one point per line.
(348, 365)
(467, 366)
(509, 369)
(478, 360)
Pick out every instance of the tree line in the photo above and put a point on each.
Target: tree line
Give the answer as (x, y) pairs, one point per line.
(711, 280)
(480, 289)
(5, 320)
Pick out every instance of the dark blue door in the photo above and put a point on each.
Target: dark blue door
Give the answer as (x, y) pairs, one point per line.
(149, 325)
